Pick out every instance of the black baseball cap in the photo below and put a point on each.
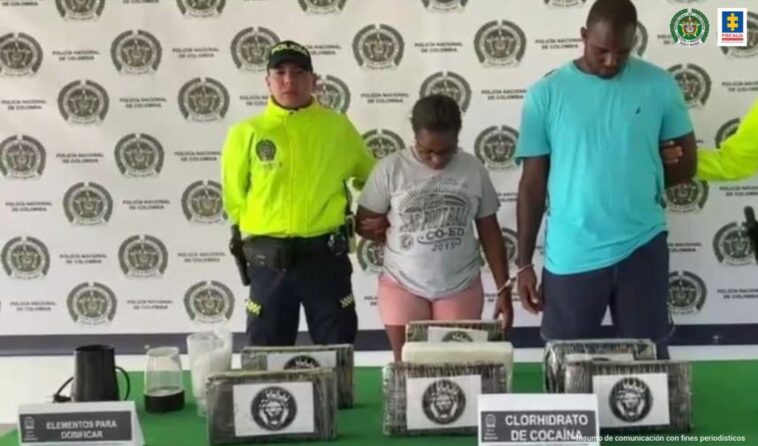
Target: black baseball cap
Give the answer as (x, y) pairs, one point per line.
(289, 51)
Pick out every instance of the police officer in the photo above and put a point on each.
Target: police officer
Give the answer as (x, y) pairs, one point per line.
(285, 173)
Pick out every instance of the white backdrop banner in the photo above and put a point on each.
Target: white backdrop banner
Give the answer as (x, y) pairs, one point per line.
(113, 114)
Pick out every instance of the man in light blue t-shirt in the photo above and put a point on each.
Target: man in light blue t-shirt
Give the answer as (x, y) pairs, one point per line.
(590, 145)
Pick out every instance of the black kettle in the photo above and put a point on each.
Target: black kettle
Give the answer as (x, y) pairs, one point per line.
(94, 376)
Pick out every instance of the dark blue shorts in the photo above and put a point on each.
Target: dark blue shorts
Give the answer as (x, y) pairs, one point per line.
(636, 290)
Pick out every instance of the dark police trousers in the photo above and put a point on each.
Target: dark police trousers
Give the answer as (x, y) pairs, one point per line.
(310, 274)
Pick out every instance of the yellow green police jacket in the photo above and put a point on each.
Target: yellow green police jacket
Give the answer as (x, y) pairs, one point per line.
(284, 172)
(737, 159)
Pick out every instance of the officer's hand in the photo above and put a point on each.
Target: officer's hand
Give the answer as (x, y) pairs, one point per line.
(671, 153)
(375, 228)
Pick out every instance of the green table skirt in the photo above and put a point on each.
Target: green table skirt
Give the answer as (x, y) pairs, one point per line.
(725, 403)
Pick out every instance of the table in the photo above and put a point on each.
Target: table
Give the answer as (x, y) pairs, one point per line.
(725, 401)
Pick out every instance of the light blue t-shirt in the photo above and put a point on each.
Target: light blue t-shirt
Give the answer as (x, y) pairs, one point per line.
(606, 184)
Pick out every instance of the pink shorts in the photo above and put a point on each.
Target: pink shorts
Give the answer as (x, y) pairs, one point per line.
(398, 306)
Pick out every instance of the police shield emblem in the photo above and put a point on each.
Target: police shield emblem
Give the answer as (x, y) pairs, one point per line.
(83, 102)
(22, 157)
(20, 55)
(136, 52)
(139, 155)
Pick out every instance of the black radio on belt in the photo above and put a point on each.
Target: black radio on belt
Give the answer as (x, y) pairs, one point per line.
(269, 252)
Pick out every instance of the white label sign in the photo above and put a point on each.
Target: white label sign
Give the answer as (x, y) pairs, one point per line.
(632, 400)
(301, 360)
(446, 334)
(273, 408)
(579, 357)
(530, 419)
(96, 424)
(442, 403)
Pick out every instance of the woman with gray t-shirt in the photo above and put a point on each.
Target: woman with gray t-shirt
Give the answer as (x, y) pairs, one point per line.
(423, 204)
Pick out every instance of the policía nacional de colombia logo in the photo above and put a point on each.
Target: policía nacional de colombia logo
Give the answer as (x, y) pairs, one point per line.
(201, 8)
(91, 303)
(143, 256)
(630, 399)
(22, 157)
(209, 302)
(640, 40)
(378, 47)
(202, 202)
(139, 155)
(687, 292)
(20, 55)
(450, 84)
(732, 246)
(382, 142)
(332, 92)
(496, 147)
(87, 204)
(564, 3)
(500, 43)
(203, 100)
(250, 48)
(444, 5)
(83, 102)
(136, 52)
(322, 6)
(690, 196)
(443, 402)
(689, 27)
(80, 10)
(274, 408)
(694, 82)
(25, 258)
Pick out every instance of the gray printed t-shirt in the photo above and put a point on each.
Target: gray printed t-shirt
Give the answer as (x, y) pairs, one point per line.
(431, 246)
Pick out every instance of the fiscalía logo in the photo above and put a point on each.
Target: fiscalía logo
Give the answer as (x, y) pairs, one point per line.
(450, 84)
(136, 52)
(689, 27)
(378, 47)
(302, 362)
(732, 27)
(630, 399)
(139, 155)
(732, 245)
(500, 44)
(265, 150)
(728, 129)
(443, 402)
(201, 8)
(202, 202)
(322, 6)
(91, 303)
(274, 408)
(444, 5)
(83, 102)
(750, 49)
(457, 336)
(87, 204)
(79, 10)
(203, 100)
(687, 292)
(143, 256)
(333, 93)
(694, 82)
(370, 256)
(20, 55)
(496, 146)
(383, 142)
(22, 157)
(687, 197)
(250, 48)
(209, 302)
(565, 3)
(640, 40)
(25, 258)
